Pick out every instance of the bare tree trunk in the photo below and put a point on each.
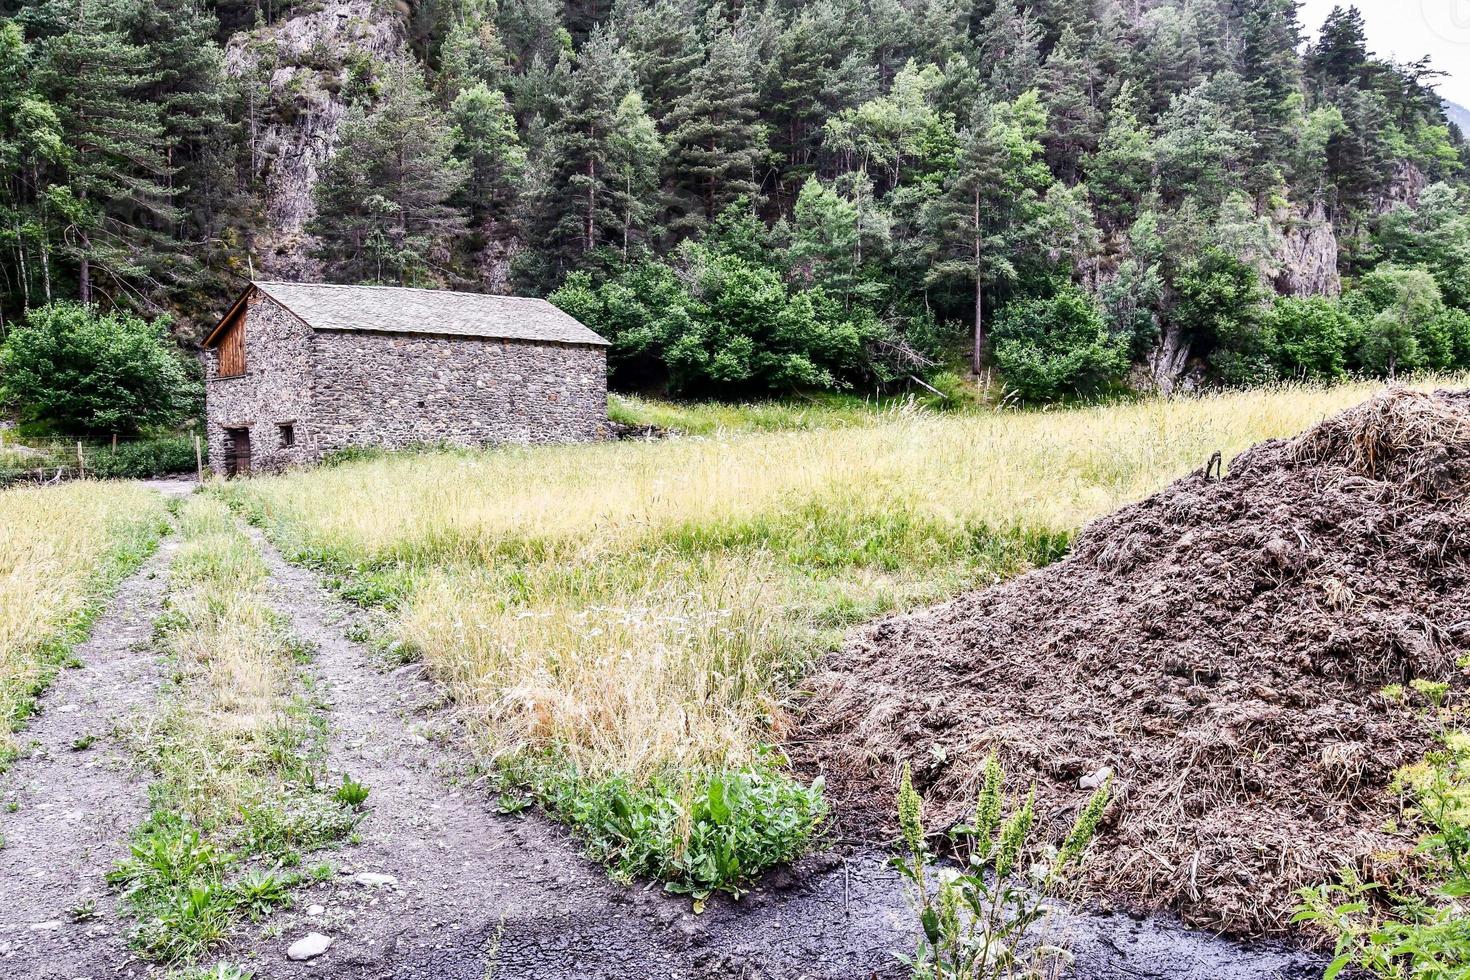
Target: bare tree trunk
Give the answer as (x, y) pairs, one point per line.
(84, 272)
(591, 201)
(25, 276)
(978, 361)
(978, 358)
(627, 211)
(84, 268)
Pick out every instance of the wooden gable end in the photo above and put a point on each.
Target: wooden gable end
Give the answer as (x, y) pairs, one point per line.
(231, 346)
(228, 337)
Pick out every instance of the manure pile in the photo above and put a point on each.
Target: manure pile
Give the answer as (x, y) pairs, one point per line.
(1221, 646)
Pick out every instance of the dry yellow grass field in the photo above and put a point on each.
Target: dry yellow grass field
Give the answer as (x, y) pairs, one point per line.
(62, 550)
(632, 606)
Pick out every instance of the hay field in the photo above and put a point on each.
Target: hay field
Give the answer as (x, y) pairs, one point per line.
(633, 606)
(62, 551)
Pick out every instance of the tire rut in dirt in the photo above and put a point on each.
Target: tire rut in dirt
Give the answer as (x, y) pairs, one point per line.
(475, 889)
(480, 894)
(77, 796)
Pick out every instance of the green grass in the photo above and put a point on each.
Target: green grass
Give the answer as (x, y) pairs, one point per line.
(63, 553)
(237, 752)
(816, 411)
(702, 831)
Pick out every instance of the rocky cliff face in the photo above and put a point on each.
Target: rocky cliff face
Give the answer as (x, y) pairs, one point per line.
(1305, 254)
(1407, 184)
(296, 71)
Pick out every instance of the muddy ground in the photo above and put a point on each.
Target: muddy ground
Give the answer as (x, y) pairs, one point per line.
(1222, 648)
(474, 893)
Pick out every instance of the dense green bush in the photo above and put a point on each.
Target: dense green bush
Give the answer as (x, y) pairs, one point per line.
(724, 325)
(1312, 337)
(1046, 348)
(700, 832)
(1221, 305)
(736, 315)
(83, 371)
(144, 458)
(1402, 330)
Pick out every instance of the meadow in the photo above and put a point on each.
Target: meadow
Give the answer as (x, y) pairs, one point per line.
(63, 550)
(638, 612)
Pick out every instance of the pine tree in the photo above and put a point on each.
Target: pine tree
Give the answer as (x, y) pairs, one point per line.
(201, 143)
(822, 66)
(384, 199)
(1340, 55)
(825, 239)
(1120, 172)
(716, 139)
(472, 52)
(31, 146)
(1271, 70)
(579, 203)
(1070, 88)
(1009, 44)
(988, 212)
(113, 192)
(662, 41)
(1201, 152)
(485, 138)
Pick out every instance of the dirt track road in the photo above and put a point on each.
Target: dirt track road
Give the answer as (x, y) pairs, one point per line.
(473, 893)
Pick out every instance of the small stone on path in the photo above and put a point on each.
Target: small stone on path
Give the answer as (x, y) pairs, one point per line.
(310, 946)
(315, 910)
(374, 880)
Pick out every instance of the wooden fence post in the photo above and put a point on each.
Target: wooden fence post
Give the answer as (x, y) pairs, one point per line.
(114, 444)
(198, 458)
(81, 462)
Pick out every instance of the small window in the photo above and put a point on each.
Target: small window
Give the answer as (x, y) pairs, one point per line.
(288, 434)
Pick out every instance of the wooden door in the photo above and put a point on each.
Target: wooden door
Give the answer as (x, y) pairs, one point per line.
(237, 452)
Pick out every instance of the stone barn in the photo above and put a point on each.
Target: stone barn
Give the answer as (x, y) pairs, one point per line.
(297, 370)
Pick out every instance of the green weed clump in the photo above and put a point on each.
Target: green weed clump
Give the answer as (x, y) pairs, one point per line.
(1415, 929)
(979, 922)
(238, 795)
(698, 831)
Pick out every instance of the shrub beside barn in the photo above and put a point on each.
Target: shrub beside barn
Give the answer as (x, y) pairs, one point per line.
(299, 370)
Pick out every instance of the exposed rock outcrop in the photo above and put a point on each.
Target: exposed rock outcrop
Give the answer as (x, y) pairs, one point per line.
(297, 69)
(1306, 254)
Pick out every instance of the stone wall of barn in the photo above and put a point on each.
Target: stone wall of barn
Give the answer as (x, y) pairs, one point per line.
(338, 389)
(274, 391)
(397, 390)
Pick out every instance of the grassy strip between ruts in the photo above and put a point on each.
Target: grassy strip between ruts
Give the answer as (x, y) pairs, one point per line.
(63, 552)
(641, 613)
(238, 750)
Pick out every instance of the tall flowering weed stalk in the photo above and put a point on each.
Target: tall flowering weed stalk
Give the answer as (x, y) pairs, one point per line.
(978, 920)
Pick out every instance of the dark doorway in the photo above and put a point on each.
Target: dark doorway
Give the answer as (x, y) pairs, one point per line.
(237, 452)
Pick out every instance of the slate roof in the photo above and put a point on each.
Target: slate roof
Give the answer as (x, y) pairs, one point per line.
(397, 309)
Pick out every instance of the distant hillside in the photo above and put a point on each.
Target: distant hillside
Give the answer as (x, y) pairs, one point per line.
(1458, 115)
